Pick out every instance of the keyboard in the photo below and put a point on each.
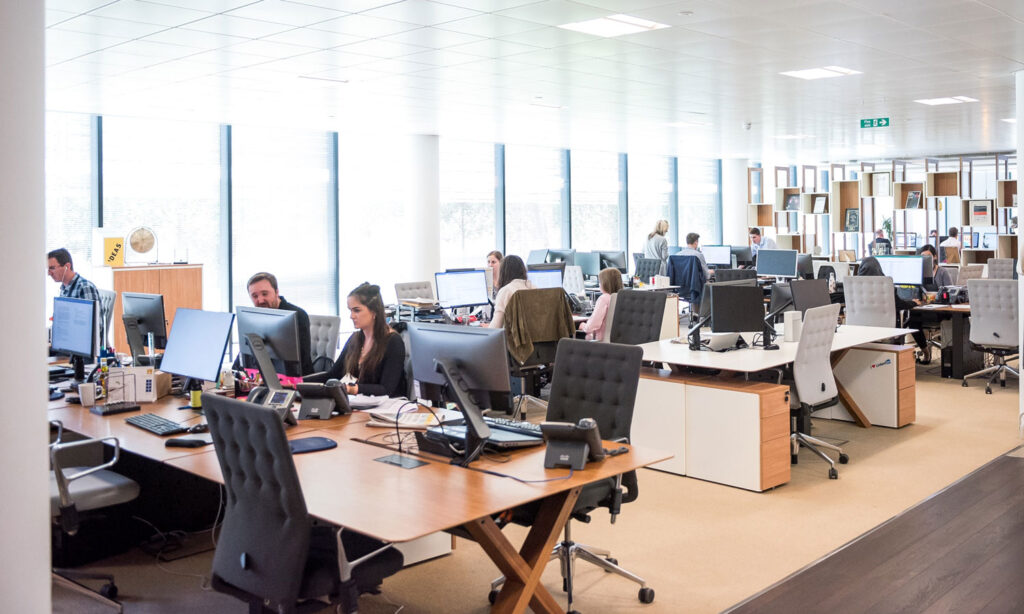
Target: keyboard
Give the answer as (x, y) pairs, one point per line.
(156, 424)
(514, 426)
(117, 407)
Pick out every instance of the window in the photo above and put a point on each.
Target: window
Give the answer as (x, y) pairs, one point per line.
(467, 180)
(651, 181)
(700, 204)
(594, 181)
(534, 178)
(166, 175)
(282, 218)
(69, 214)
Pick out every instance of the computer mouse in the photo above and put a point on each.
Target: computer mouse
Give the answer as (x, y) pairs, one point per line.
(199, 428)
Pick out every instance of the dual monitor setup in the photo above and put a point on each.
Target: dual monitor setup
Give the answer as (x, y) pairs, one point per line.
(591, 263)
(472, 287)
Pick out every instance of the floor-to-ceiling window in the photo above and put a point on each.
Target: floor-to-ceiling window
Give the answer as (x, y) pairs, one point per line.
(700, 200)
(595, 200)
(650, 196)
(467, 182)
(533, 199)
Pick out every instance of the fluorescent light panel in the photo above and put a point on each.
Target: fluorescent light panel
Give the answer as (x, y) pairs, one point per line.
(613, 25)
(1010, 120)
(825, 72)
(948, 100)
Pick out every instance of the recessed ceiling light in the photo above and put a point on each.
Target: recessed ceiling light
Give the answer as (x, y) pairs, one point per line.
(948, 100)
(793, 137)
(1010, 120)
(613, 25)
(825, 72)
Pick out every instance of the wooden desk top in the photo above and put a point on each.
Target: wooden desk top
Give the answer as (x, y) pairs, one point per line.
(934, 307)
(346, 486)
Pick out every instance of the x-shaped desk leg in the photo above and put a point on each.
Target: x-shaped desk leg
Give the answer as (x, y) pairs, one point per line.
(523, 569)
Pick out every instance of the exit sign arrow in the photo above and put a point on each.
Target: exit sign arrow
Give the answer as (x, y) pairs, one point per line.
(875, 122)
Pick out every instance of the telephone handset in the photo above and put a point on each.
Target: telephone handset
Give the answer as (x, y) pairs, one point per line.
(321, 400)
(280, 400)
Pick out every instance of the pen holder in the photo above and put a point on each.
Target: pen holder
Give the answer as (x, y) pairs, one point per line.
(794, 324)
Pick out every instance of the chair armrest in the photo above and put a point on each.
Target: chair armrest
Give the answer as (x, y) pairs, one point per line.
(58, 469)
(60, 431)
(346, 566)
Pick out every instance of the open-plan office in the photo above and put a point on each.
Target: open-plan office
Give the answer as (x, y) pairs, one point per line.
(334, 143)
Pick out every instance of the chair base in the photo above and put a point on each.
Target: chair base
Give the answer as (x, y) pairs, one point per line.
(106, 594)
(567, 551)
(813, 444)
(996, 371)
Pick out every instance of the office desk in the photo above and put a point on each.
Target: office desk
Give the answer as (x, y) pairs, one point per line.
(962, 358)
(725, 429)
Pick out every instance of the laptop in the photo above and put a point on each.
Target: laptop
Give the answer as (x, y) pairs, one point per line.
(500, 439)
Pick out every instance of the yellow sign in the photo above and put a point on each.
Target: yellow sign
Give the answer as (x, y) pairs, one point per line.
(113, 249)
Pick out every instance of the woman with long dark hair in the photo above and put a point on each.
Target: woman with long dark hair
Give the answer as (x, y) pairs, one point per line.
(511, 279)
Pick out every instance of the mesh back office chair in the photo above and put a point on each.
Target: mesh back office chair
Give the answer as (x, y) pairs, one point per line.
(269, 554)
(999, 268)
(647, 268)
(638, 317)
(870, 301)
(107, 298)
(735, 274)
(814, 385)
(323, 340)
(968, 272)
(599, 381)
(637, 256)
(994, 320)
(74, 490)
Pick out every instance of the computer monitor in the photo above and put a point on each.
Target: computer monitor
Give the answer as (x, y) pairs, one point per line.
(143, 314)
(989, 240)
(197, 343)
(471, 362)
(76, 331)
(804, 266)
(545, 278)
(717, 255)
(589, 263)
(537, 256)
(613, 260)
(842, 269)
(809, 293)
(271, 338)
(705, 302)
(568, 256)
(904, 270)
(781, 301)
(736, 309)
(734, 274)
(743, 254)
(778, 263)
(466, 288)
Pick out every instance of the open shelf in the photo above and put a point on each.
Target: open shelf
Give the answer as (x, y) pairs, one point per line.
(807, 200)
(1006, 189)
(942, 183)
(760, 214)
(979, 206)
(781, 194)
(874, 184)
(902, 189)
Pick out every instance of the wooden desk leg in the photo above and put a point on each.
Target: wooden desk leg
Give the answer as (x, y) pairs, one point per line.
(844, 395)
(523, 569)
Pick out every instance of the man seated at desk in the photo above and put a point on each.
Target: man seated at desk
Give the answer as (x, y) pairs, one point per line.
(61, 269)
(880, 245)
(758, 242)
(262, 288)
(691, 249)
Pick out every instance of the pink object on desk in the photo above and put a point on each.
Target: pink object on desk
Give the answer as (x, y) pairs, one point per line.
(286, 380)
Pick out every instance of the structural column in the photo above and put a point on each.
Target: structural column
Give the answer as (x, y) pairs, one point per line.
(1019, 78)
(734, 202)
(25, 537)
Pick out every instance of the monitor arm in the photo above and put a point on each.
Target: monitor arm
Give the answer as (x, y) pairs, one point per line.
(134, 334)
(769, 334)
(264, 362)
(477, 431)
(694, 333)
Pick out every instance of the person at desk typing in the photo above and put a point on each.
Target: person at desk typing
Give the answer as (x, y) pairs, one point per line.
(60, 268)
(611, 282)
(263, 292)
(511, 279)
(375, 354)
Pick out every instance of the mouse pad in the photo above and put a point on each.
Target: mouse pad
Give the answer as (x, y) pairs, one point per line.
(311, 444)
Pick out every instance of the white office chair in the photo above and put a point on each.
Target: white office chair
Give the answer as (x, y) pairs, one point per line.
(415, 289)
(323, 340)
(1000, 268)
(994, 320)
(814, 385)
(870, 301)
(572, 281)
(968, 272)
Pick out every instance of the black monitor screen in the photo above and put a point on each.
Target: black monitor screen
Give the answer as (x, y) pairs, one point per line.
(561, 255)
(197, 343)
(743, 254)
(705, 302)
(804, 266)
(809, 293)
(479, 353)
(781, 300)
(279, 329)
(736, 309)
(75, 327)
(589, 263)
(613, 260)
(148, 309)
(776, 262)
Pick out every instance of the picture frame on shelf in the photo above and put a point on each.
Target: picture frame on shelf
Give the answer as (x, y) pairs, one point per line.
(880, 184)
(851, 220)
(847, 255)
(792, 202)
(913, 199)
(981, 212)
(819, 204)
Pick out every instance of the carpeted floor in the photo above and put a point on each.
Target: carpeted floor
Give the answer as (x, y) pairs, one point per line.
(703, 547)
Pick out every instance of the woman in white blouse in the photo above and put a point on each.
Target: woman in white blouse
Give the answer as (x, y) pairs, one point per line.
(511, 279)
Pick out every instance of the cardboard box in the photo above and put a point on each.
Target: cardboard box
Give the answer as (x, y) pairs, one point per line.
(150, 384)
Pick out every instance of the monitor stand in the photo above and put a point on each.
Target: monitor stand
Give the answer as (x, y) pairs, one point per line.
(78, 363)
(264, 362)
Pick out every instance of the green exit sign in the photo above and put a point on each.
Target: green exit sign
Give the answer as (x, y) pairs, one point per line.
(877, 122)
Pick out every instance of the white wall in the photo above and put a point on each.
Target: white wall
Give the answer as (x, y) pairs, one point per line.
(25, 538)
(1019, 76)
(734, 202)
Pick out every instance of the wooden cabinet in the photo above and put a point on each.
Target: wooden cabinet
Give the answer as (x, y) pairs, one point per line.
(180, 284)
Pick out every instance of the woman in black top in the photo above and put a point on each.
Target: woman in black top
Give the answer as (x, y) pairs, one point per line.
(374, 354)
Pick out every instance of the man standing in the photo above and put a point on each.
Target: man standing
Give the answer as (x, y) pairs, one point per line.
(262, 288)
(72, 285)
(757, 242)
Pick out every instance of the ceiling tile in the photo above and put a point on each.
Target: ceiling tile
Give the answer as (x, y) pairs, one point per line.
(310, 37)
(488, 6)
(433, 38)
(365, 26)
(350, 6)
(237, 26)
(422, 12)
(442, 57)
(554, 12)
(194, 38)
(493, 48)
(380, 48)
(489, 26)
(289, 13)
(212, 6)
(148, 12)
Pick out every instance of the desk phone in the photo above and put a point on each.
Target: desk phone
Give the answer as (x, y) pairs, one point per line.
(280, 400)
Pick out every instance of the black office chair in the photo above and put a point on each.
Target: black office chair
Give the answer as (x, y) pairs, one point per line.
(599, 381)
(269, 554)
(825, 270)
(534, 322)
(638, 317)
(647, 268)
(735, 274)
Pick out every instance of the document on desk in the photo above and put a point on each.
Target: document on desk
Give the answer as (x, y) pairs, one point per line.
(359, 402)
(931, 306)
(411, 420)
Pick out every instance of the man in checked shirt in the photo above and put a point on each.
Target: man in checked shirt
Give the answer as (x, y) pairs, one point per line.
(72, 285)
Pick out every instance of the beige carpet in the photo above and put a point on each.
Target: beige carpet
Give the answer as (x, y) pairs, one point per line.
(703, 547)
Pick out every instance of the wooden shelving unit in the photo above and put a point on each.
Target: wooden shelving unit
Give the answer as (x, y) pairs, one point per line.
(807, 203)
(942, 183)
(844, 195)
(1006, 189)
(868, 183)
(900, 191)
(781, 194)
(967, 208)
(760, 215)
(790, 241)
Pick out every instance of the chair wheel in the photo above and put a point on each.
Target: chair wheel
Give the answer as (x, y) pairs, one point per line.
(646, 595)
(843, 459)
(109, 590)
(833, 474)
(492, 596)
(613, 561)
(988, 390)
(793, 459)
(964, 383)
